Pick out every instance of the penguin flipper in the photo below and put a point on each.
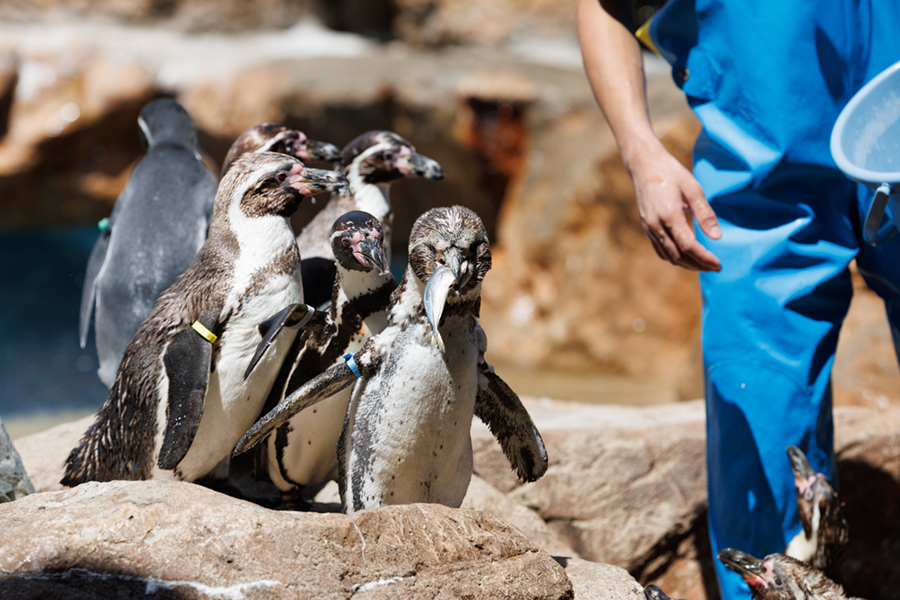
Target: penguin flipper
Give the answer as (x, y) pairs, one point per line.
(187, 362)
(294, 315)
(499, 407)
(312, 392)
(89, 289)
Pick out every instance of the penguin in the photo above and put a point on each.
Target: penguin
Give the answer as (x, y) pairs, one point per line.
(406, 435)
(302, 451)
(371, 162)
(157, 225)
(179, 402)
(269, 137)
(652, 592)
(823, 541)
(780, 577)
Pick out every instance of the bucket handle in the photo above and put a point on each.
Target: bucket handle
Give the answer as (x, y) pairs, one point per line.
(876, 212)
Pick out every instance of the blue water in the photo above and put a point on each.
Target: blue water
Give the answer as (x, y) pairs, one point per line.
(42, 367)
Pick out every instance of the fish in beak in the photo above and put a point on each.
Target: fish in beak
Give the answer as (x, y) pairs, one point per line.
(436, 291)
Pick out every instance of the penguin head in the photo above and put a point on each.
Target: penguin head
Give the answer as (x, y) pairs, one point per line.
(267, 183)
(454, 238)
(165, 121)
(777, 577)
(818, 506)
(357, 242)
(651, 592)
(268, 137)
(383, 156)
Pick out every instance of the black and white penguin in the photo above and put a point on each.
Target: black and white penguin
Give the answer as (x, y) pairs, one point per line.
(780, 577)
(179, 401)
(302, 451)
(406, 435)
(371, 162)
(825, 536)
(652, 592)
(158, 224)
(269, 137)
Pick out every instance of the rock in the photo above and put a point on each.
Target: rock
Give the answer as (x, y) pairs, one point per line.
(482, 496)
(14, 482)
(44, 453)
(470, 22)
(596, 581)
(111, 535)
(187, 15)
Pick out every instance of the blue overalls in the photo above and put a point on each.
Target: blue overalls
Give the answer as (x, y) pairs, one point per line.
(768, 78)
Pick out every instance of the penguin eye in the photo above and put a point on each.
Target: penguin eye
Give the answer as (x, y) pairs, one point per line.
(778, 581)
(281, 176)
(808, 494)
(389, 156)
(345, 242)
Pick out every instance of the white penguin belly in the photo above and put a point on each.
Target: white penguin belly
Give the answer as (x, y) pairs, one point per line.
(308, 453)
(232, 405)
(410, 427)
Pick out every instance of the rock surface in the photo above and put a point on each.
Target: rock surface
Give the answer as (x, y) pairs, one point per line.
(627, 486)
(14, 481)
(197, 543)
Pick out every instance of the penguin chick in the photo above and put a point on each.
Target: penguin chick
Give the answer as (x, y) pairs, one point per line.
(651, 592)
(371, 162)
(179, 402)
(406, 435)
(268, 137)
(823, 541)
(158, 224)
(780, 577)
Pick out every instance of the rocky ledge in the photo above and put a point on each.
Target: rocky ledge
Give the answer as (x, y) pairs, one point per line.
(623, 501)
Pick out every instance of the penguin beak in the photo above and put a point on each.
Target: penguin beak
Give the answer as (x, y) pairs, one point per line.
(316, 150)
(418, 165)
(750, 568)
(436, 291)
(313, 181)
(799, 464)
(651, 592)
(370, 253)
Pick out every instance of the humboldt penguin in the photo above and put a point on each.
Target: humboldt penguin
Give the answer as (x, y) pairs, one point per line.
(371, 162)
(179, 401)
(157, 225)
(780, 577)
(268, 137)
(406, 435)
(302, 452)
(825, 536)
(652, 592)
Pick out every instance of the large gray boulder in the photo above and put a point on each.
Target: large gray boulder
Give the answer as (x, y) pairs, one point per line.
(14, 481)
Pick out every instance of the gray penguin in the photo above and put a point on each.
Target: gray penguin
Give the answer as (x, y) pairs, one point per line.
(179, 401)
(158, 224)
(406, 434)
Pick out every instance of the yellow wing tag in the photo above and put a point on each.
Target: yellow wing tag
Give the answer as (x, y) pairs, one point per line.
(208, 335)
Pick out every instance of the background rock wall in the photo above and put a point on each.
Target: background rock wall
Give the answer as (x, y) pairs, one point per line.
(575, 288)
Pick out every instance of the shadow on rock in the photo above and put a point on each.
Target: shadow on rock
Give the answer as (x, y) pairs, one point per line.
(80, 584)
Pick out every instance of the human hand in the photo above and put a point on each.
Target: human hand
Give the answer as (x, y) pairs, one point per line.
(665, 190)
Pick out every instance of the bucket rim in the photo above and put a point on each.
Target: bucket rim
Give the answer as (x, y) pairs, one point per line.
(851, 170)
